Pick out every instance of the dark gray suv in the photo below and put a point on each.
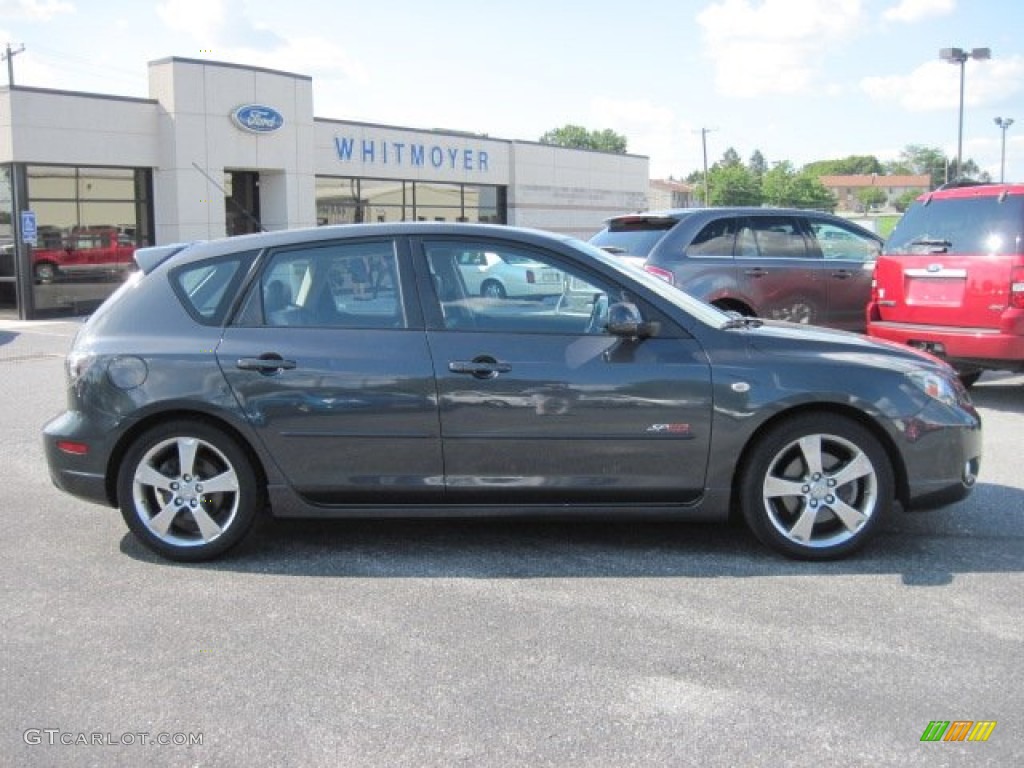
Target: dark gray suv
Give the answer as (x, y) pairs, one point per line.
(783, 264)
(354, 371)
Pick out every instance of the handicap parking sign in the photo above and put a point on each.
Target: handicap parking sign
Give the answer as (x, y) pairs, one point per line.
(29, 230)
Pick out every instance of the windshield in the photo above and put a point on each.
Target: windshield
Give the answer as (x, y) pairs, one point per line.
(634, 235)
(705, 313)
(978, 225)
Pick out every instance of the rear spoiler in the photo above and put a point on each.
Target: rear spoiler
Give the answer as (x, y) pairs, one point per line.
(152, 257)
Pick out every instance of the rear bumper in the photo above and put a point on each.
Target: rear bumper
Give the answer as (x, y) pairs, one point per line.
(977, 347)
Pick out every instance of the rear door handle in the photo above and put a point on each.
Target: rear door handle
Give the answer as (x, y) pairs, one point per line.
(755, 272)
(268, 363)
(842, 274)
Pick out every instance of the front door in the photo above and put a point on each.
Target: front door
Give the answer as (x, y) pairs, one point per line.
(539, 404)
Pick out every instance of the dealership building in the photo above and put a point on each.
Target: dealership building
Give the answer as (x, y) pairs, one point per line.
(223, 149)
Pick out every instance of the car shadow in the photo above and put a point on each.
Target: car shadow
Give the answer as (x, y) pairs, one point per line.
(1000, 393)
(923, 548)
(6, 337)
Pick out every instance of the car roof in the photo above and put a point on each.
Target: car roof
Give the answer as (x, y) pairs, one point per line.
(150, 258)
(966, 189)
(681, 213)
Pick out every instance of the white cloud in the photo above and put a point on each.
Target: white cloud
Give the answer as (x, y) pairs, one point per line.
(935, 85)
(910, 11)
(202, 19)
(651, 130)
(773, 46)
(36, 10)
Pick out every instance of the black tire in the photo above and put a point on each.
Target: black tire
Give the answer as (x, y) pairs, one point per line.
(970, 378)
(195, 513)
(492, 289)
(816, 487)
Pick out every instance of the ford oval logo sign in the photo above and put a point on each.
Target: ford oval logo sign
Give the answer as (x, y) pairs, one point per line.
(257, 118)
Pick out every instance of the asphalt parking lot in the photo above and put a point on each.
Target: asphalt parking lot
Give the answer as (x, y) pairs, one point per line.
(438, 643)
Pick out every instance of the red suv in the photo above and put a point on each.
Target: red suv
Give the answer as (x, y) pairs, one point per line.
(951, 278)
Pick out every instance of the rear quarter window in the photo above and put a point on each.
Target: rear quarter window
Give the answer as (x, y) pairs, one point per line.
(206, 288)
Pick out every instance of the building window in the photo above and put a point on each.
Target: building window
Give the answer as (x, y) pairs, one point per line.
(347, 200)
(90, 221)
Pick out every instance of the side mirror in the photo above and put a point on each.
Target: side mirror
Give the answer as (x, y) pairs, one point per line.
(624, 319)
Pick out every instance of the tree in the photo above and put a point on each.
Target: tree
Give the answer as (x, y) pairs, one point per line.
(853, 165)
(869, 196)
(784, 187)
(733, 185)
(730, 159)
(578, 137)
(757, 163)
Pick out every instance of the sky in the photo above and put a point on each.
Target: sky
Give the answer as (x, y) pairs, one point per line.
(798, 80)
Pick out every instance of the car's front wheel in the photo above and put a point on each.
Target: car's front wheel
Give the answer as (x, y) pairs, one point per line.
(188, 491)
(816, 487)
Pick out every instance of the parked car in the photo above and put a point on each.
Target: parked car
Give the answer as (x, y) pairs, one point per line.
(500, 276)
(801, 266)
(230, 374)
(86, 252)
(951, 278)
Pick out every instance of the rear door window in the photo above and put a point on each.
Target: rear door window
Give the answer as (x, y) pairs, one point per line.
(778, 237)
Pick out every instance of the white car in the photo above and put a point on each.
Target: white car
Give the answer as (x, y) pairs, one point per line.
(499, 276)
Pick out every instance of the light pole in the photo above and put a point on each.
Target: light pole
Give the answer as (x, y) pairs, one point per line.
(960, 56)
(1003, 123)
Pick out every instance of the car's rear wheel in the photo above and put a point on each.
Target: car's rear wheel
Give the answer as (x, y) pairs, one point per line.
(492, 289)
(188, 491)
(816, 487)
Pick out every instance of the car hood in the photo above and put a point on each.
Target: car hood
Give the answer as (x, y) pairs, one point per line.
(809, 341)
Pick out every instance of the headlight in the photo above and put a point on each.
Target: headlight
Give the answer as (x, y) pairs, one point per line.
(936, 386)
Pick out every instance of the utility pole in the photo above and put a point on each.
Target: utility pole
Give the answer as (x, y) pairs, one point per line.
(8, 56)
(704, 145)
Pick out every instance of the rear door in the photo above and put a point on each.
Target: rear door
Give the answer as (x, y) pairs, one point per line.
(952, 262)
(777, 270)
(539, 404)
(336, 379)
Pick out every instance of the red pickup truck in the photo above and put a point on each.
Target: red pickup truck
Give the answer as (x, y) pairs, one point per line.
(95, 252)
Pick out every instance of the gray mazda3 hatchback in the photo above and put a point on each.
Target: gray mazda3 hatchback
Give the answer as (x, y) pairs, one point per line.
(354, 371)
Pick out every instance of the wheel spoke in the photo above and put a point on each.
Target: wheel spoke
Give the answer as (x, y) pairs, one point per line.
(225, 482)
(810, 447)
(854, 470)
(187, 449)
(208, 529)
(851, 518)
(148, 475)
(804, 528)
(161, 522)
(778, 486)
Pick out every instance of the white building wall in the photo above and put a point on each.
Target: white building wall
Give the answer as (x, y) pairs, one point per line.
(57, 127)
(573, 191)
(199, 142)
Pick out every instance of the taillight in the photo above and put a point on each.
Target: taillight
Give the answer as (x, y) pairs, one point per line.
(1017, 288)
(664, 274)
(73, 447)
